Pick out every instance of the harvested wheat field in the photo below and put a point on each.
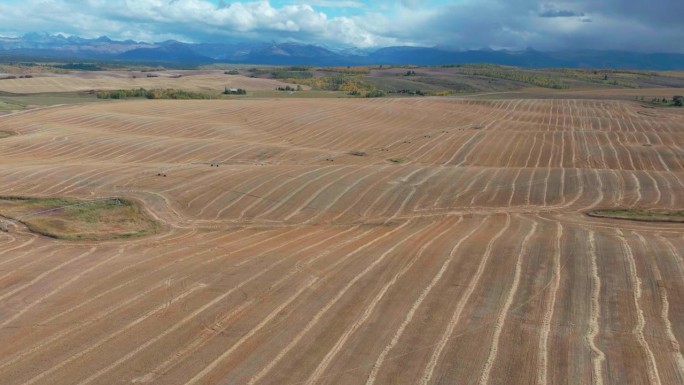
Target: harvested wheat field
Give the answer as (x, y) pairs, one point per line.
(385, 241)
(214, 81)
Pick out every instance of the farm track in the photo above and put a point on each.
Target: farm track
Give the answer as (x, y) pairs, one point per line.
(307, 257)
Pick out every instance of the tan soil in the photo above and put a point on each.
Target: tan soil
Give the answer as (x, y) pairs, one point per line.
(296, 262)
(207, 81)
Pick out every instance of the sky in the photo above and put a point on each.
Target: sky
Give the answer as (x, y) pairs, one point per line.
(635, 25)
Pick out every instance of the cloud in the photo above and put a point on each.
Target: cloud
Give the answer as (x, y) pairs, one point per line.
(193, 19)
(560, 13)
(464, 24)
(413, 4)
(335, 3)
(516, 24)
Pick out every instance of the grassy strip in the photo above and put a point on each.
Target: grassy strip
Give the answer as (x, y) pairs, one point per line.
(5, 134)
(4, 106)
(72, 219)
(655, 215)
(21, 101)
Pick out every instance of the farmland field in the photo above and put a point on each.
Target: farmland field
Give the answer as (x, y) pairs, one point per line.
(349, 241)
(214, 81)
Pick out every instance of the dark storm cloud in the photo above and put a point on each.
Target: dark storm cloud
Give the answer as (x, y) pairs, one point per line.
(560, 13)
(652, 13)
(559, 25)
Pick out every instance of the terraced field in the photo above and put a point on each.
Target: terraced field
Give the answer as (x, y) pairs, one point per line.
(308, 257)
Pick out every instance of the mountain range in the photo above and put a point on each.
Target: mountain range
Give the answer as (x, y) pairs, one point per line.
(189, 54)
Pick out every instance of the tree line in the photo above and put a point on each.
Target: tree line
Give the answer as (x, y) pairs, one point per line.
(167, 93)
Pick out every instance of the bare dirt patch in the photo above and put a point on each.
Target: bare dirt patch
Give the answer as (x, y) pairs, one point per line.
(73, 219)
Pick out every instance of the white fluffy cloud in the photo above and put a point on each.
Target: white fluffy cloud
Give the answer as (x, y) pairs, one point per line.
(189, 19)
(464, 24)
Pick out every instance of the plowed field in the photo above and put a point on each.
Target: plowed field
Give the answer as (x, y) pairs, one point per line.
(213, 81)
(387, 241)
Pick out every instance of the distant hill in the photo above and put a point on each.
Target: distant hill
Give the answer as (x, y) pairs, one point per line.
(173, 52)
(103, 48)
(294, 54)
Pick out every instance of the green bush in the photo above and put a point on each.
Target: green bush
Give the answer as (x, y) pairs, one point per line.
(238, 91)
(122, 94)
(168, 93)
(375, 94)
(171, 93)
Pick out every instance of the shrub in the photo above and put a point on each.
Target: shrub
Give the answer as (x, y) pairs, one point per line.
(122, 94)
(408, 92)
(171, 93)
(79, 66)
(168, 93)
(375, 94)
(238, 91)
